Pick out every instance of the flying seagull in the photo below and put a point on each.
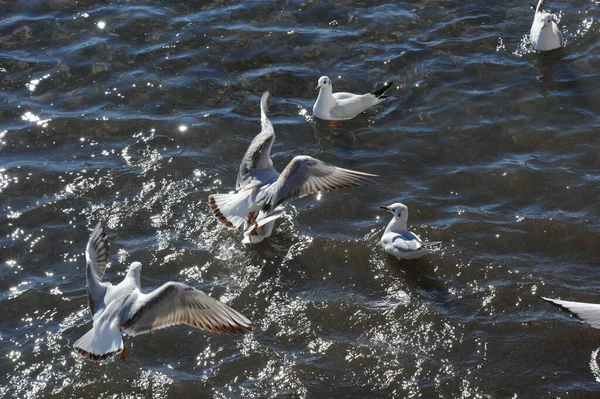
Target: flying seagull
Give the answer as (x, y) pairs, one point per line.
(261, 190)
(400, 242)
(544, 35)
(124, 308)
(341, 106)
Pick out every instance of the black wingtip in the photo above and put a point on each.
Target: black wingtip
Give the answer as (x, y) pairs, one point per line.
(379, 93)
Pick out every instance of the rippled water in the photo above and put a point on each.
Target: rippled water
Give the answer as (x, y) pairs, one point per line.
(133, 112)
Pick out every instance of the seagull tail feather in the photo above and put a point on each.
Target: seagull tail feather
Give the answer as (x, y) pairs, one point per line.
(100, 343)
(380, 93)
(231, 210)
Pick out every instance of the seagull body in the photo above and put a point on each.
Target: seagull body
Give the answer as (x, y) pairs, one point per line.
(588, 312)
(124, 308)
(400, 242)
(261, 190)
(544, 35)
(341, 106)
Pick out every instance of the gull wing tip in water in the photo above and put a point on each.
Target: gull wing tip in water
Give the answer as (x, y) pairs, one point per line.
(588, 312)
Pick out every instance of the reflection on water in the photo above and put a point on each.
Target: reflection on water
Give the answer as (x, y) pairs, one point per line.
(134, 113)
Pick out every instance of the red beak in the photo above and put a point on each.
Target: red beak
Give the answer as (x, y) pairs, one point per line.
(317, 88)
(384, 208)
(543, 26)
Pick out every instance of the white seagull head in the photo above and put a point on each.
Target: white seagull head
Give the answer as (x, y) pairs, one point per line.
(546, 20)
(323, 82)
(395, 209)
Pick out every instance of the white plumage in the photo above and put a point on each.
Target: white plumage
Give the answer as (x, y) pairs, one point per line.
(261, 190)
(544, 35)
(124, 308)
(341, 106)
(400, 242)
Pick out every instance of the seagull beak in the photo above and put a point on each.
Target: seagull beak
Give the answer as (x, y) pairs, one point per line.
(543, 26)
(385, 208)
(318, 88)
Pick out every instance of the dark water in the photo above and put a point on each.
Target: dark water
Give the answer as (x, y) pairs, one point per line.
(135, 111)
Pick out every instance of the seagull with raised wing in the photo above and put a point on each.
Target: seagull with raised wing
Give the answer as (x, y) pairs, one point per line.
(332, 106)
(400, 242)
(588, 312)
(124, 308)
(261, 190)
(545, 35)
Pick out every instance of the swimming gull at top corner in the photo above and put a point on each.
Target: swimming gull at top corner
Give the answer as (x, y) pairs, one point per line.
(545, 35)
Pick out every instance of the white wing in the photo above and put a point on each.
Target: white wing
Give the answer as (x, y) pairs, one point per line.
(177, 303)
(257, 164)
(349, 106)
(306, 175)
(96, 256)
(588, 312)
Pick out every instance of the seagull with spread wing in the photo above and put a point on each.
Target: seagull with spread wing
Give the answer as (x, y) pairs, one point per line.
(261, 190)
(124, 308)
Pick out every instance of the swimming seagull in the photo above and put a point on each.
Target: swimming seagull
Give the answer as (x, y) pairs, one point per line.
(261, 190)
(400, 242)
(544, 35)
(341, 106)
(588, 312)
(125, 309)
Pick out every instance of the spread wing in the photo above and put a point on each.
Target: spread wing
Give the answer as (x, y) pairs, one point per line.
(588, 312)
(540, 6)
(257, 163)
(96, 256)
(306, 175)
(176, 303)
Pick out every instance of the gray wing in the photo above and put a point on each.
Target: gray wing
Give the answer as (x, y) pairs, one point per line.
(96, 257)
(306, 175)
(257, 160)
(540, 6)
(176, 303)
(588, 312)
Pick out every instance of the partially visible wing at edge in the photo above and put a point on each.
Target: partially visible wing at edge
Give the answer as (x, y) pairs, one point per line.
(258, 155)
(96, 256)
(176, 303)
(306, 175)
(588, 312)
(540, 6)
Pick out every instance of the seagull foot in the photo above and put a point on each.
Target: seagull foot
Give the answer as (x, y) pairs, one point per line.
(255, 227)
(250, 217)
(333, 124)
(123, 354)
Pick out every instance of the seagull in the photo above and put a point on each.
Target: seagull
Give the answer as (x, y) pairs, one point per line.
(261, 190)
(400, 242)
(124, 308)
(544, 35)
(341, 106)
(588, 312)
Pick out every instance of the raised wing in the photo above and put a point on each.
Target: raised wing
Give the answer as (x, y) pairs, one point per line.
(588, 312)
(306, 175)
(540, 6)
(257, 163)
(177, 303)
(96, 256)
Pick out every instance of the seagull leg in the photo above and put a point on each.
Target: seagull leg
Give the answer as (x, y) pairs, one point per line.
(250, 217)
(333, 124)
(123, 354)
(255, 227)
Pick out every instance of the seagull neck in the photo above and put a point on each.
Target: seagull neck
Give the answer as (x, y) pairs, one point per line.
(397, 224)
(326, 97)
(134, 275)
